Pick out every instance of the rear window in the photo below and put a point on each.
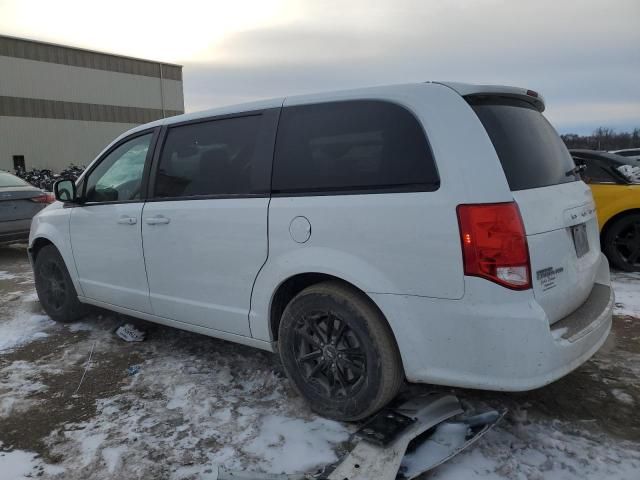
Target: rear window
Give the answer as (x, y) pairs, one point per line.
(355, 146)
(531, 152)
(8, 180)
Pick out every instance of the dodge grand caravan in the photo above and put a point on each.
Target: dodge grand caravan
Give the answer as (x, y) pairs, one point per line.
(433, 233)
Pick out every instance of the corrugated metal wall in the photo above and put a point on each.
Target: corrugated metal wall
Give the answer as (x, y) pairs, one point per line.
(32, 79)
(54, 144)
(61, 105)
(50, 53)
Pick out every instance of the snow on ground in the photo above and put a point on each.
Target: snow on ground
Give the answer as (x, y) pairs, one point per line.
(627, 288)
(180, 403)
(4, 275)
(544, 450)
(188, 407)
(18, 464)
(22, 329)
(190, 402)
(18, 382)
(622, 396)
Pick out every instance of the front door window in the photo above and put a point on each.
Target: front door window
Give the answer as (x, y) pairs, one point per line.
(118, 177)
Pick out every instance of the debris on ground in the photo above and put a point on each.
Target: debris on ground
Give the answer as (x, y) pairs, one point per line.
(129, 333)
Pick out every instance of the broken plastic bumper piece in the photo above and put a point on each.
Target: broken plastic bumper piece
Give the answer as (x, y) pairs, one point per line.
(399, 443)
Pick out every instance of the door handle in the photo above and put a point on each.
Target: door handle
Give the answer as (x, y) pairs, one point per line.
(157, 220)
(127, 220)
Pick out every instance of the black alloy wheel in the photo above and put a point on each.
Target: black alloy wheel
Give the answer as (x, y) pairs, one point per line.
(627, 243)
(329, 355)
(339, 351)
(54, 286)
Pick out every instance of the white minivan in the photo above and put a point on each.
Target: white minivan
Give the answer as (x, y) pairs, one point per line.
(431, 233)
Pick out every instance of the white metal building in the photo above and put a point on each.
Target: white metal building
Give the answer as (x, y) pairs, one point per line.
(61, 105)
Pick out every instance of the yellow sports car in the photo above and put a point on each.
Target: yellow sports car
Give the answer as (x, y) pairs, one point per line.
(615, 183)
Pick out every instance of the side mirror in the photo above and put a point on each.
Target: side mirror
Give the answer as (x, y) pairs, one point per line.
(65, 191)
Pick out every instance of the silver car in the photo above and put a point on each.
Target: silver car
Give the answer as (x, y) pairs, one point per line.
(19, 202)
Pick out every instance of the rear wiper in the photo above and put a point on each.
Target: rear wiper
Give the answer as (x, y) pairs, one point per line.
(576, 171)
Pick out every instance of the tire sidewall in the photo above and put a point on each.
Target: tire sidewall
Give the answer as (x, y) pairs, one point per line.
(68, 311)
(367, 395)
(609, 248)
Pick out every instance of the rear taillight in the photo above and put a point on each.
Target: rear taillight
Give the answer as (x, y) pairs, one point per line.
(44, 198)
(494, 244)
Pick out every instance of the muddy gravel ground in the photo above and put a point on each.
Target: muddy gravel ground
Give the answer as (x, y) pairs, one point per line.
(76, 402)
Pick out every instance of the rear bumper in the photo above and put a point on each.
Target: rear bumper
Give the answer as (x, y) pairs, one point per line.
(495, 339)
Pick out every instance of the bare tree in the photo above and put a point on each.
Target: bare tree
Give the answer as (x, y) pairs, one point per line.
(604, 138)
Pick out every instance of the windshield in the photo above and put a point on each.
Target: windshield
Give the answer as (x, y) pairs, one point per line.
(531, 151)
(9, 180)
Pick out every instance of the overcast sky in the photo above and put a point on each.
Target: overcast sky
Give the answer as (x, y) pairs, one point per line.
(582, 55)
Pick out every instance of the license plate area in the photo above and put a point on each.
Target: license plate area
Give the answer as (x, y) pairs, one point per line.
(580, 239)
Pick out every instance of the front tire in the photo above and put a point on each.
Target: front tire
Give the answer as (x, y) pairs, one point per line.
(621, 243)
(339, 352)
(55, 289)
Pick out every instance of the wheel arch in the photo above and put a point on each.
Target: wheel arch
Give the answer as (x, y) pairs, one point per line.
(38, 244)
(615, 218)
(291, 286)
(284, 293)
(63, 245)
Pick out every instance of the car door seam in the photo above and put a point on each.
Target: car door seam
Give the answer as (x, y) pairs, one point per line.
(73, 257)
(255, 279)
(144, 258)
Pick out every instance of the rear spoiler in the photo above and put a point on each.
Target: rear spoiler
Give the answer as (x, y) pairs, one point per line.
(469, 90)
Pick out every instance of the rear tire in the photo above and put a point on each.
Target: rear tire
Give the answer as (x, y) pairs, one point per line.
(55, 288)
(621, 243)
(339, 352)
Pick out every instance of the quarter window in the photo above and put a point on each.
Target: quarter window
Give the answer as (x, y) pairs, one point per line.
(209, 158)
(351, 146)
(118, 177)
